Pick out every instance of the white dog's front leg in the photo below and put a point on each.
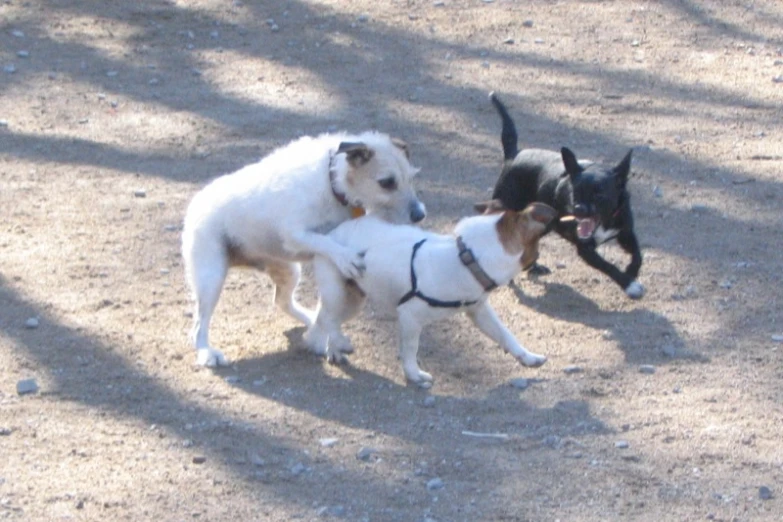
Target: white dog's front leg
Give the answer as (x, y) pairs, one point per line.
(484, 317)
(349, 262)
(410, 331)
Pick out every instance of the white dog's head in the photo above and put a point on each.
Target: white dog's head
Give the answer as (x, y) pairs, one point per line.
(378, 176)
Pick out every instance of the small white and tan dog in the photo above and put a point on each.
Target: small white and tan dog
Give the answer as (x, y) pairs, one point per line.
(426, 276)
(276, 213)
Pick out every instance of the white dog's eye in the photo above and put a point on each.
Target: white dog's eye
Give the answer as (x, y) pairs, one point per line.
(388, 183)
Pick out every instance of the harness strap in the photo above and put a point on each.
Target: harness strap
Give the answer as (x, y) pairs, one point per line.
(468, 259)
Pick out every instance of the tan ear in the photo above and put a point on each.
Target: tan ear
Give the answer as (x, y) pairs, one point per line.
(489, 207)
(400, 144)
(357, 153)
(540, 212)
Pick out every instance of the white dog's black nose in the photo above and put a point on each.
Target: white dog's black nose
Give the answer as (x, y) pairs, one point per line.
(418, 212)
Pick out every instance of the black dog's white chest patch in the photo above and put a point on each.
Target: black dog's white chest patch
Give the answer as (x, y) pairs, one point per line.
(602, 235)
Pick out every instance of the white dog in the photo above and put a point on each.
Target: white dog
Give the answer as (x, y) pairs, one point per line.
(427, 276)
(274, 214)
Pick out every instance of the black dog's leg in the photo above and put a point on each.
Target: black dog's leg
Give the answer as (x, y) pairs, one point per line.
(627, 240)
(594, 259)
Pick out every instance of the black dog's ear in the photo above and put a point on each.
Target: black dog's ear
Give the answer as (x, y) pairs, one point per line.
(400, 144)
(622, 170)
(357, 153)
(571, 164)
(489, 207)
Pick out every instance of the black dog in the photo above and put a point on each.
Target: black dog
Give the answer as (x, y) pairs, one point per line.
(592, 202)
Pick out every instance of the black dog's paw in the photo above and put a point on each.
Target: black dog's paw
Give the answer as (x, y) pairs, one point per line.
(538, 270)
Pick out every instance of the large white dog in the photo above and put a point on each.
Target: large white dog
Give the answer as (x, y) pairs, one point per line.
(426, 276)
(274, 214)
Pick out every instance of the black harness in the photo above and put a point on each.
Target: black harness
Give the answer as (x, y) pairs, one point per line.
(471, 263)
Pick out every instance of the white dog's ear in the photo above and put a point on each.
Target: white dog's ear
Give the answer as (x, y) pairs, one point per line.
(489, 207)
(541, 212)
(402, 146)
(357, 153)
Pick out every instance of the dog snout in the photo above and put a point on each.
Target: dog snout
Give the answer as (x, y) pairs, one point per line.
(417, 211)
(581, 210)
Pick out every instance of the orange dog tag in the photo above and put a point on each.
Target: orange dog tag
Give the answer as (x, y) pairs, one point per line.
(357, 212)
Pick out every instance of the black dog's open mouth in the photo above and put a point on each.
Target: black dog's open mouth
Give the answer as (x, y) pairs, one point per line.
(585, 226)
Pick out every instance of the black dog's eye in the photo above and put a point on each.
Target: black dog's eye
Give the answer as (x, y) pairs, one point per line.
(388, 183)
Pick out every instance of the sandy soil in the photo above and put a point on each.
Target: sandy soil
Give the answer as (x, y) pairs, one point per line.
(114, 113)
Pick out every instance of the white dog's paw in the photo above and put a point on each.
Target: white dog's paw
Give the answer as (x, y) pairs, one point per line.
(340, 343)
(531, 360)
(339, 347)
(210, 358)
(421, 379)
(315, 340)
(350, 263)
(635, 290)
(336, 356)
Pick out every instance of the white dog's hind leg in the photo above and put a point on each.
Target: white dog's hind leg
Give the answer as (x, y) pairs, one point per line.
(410, 331)
(483, 316)
(286, 277)
(340, 301)
(206, 274)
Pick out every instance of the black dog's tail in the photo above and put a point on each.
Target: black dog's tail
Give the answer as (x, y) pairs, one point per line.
(509, 134)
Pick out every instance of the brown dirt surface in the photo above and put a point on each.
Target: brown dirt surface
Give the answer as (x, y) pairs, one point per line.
(114, 113)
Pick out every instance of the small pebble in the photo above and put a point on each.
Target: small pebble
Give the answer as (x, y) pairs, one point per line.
(777, 338)
(199, 459)
(153, 81)
(621, 444)
(669, 350)
(10, 68)
(508, 41)
(111, 74)
(572, 369)
(435, 484)
(23, 54)
(26, 386)
(298, 469)
(699, 208)
(328, 443)
(365, 453)
(657, 192)
(429, 401)
(17, 33)
(4, 432)
(141, 193)
(648, 369)
(527, 23)
(778, 79)
(519, 383)
(538, 40)
(3, 123)
(32, 323)
(765, 493)
(233, 379)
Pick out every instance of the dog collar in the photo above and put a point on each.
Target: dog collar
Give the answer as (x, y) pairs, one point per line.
(356, 210)
(471, 263)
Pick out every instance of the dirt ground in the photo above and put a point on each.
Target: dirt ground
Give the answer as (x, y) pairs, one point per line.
(114, 113)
